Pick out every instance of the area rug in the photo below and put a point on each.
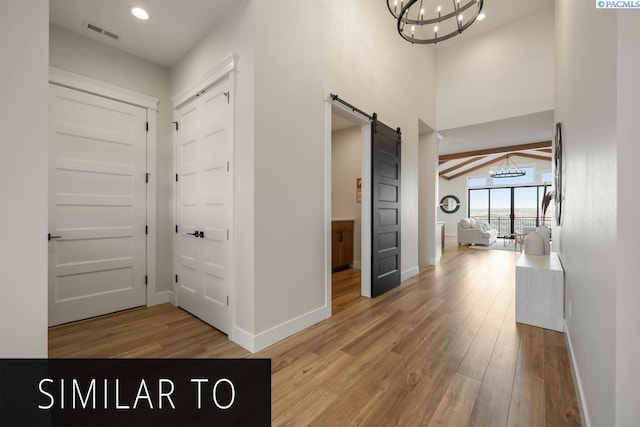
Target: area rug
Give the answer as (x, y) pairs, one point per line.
(498, 245)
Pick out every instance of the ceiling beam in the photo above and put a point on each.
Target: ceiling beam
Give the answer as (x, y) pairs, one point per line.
(475, 168)
(487, 163)
(459, 165)
(530, 146)
(545, 150)
(530, 156)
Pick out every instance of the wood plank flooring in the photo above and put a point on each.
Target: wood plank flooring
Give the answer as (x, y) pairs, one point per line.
(443, 349)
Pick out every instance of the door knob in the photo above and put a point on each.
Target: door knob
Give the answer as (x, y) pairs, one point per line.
(202, 234)
(53, 237)
(195, 233)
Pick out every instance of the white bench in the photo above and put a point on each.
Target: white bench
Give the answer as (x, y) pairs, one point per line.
(540, 291)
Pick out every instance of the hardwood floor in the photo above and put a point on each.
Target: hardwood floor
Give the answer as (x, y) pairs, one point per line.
(442, 349)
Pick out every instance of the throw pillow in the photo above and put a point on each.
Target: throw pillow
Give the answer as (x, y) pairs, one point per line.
(464, 223)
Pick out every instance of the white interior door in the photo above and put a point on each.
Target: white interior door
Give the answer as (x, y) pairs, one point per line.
(97, 205)
(205, 204)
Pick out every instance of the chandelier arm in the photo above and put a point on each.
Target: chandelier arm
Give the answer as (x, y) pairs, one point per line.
(440, 38)
(437, 20)
(395, 15)
(402, 20)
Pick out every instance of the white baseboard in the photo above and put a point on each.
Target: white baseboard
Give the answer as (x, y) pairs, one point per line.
(577, 383)
(409, 273)
(242, 338)
(257, 342)
(357, 264)
(161, 298)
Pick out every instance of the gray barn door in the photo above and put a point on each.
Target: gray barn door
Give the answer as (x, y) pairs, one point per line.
(385, 236)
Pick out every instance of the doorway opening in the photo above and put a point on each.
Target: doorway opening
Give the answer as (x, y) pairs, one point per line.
(378, 190)
(346, 212)
(348, 201)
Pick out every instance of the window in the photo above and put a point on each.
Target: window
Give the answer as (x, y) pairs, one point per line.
(477, 181)
(510, 209)
(528, 178)
(547, 177)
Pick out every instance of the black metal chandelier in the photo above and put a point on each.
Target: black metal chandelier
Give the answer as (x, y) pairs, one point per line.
(425, 21)
(507, 169)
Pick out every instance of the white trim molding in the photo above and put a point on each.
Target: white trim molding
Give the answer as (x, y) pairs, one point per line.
(86, 84)
(227, 65)
(262, 340)
(365, 208)
(577, 382)
(409, 273)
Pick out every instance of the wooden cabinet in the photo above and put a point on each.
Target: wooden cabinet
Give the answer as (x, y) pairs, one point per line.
(341, 244)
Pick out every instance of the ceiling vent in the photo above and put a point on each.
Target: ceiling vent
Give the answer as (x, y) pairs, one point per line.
(101, 30)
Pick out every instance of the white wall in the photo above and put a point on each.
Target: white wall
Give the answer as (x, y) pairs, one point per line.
(23, 178)
(458, 187)
(586, 105)
(234, 35)
(428, 188)
(506, 72)
(346, 160)
(312, 47)
(81, 55)
(628, 291)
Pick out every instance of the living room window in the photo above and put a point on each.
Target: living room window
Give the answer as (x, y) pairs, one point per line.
(477, 181)
(509, 209)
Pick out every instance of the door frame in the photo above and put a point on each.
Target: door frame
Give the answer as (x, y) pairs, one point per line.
(85, 84)
(228, 67)
(365, 207)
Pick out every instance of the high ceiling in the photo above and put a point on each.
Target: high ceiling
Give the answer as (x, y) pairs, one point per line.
(465, 149)
(452, 166)
(499, 13)
(173, 28)
(512, 131)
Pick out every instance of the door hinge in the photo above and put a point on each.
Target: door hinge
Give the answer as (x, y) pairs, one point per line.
(146, 229)
(146, 177)
(227, 299)
(147, 126)
(176, 278)
(227, 234)
(227, 93)
(227, 166)
(176, 177)
(176, 228)
(146, 280)
(175, 123)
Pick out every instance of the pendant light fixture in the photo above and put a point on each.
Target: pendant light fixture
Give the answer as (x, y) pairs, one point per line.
(507, 169)
(428, 22)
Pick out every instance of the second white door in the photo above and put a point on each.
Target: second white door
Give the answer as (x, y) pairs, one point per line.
(205, 204)
(97, 205)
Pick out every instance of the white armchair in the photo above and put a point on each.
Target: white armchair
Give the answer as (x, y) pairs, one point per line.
(473, 232)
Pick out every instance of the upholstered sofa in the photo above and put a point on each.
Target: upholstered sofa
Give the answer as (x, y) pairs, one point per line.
(474, 232)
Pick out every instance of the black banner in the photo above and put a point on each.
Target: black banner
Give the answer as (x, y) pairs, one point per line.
(135, 392)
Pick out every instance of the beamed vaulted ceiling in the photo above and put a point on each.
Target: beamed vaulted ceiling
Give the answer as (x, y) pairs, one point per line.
(457, 164)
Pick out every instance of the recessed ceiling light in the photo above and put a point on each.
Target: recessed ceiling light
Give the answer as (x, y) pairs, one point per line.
(481, 17)
(139, 13)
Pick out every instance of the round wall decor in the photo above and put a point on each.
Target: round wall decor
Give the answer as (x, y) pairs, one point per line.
(557, 173)
(449, 204)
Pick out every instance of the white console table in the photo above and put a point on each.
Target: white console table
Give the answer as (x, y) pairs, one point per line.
(540, 291)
